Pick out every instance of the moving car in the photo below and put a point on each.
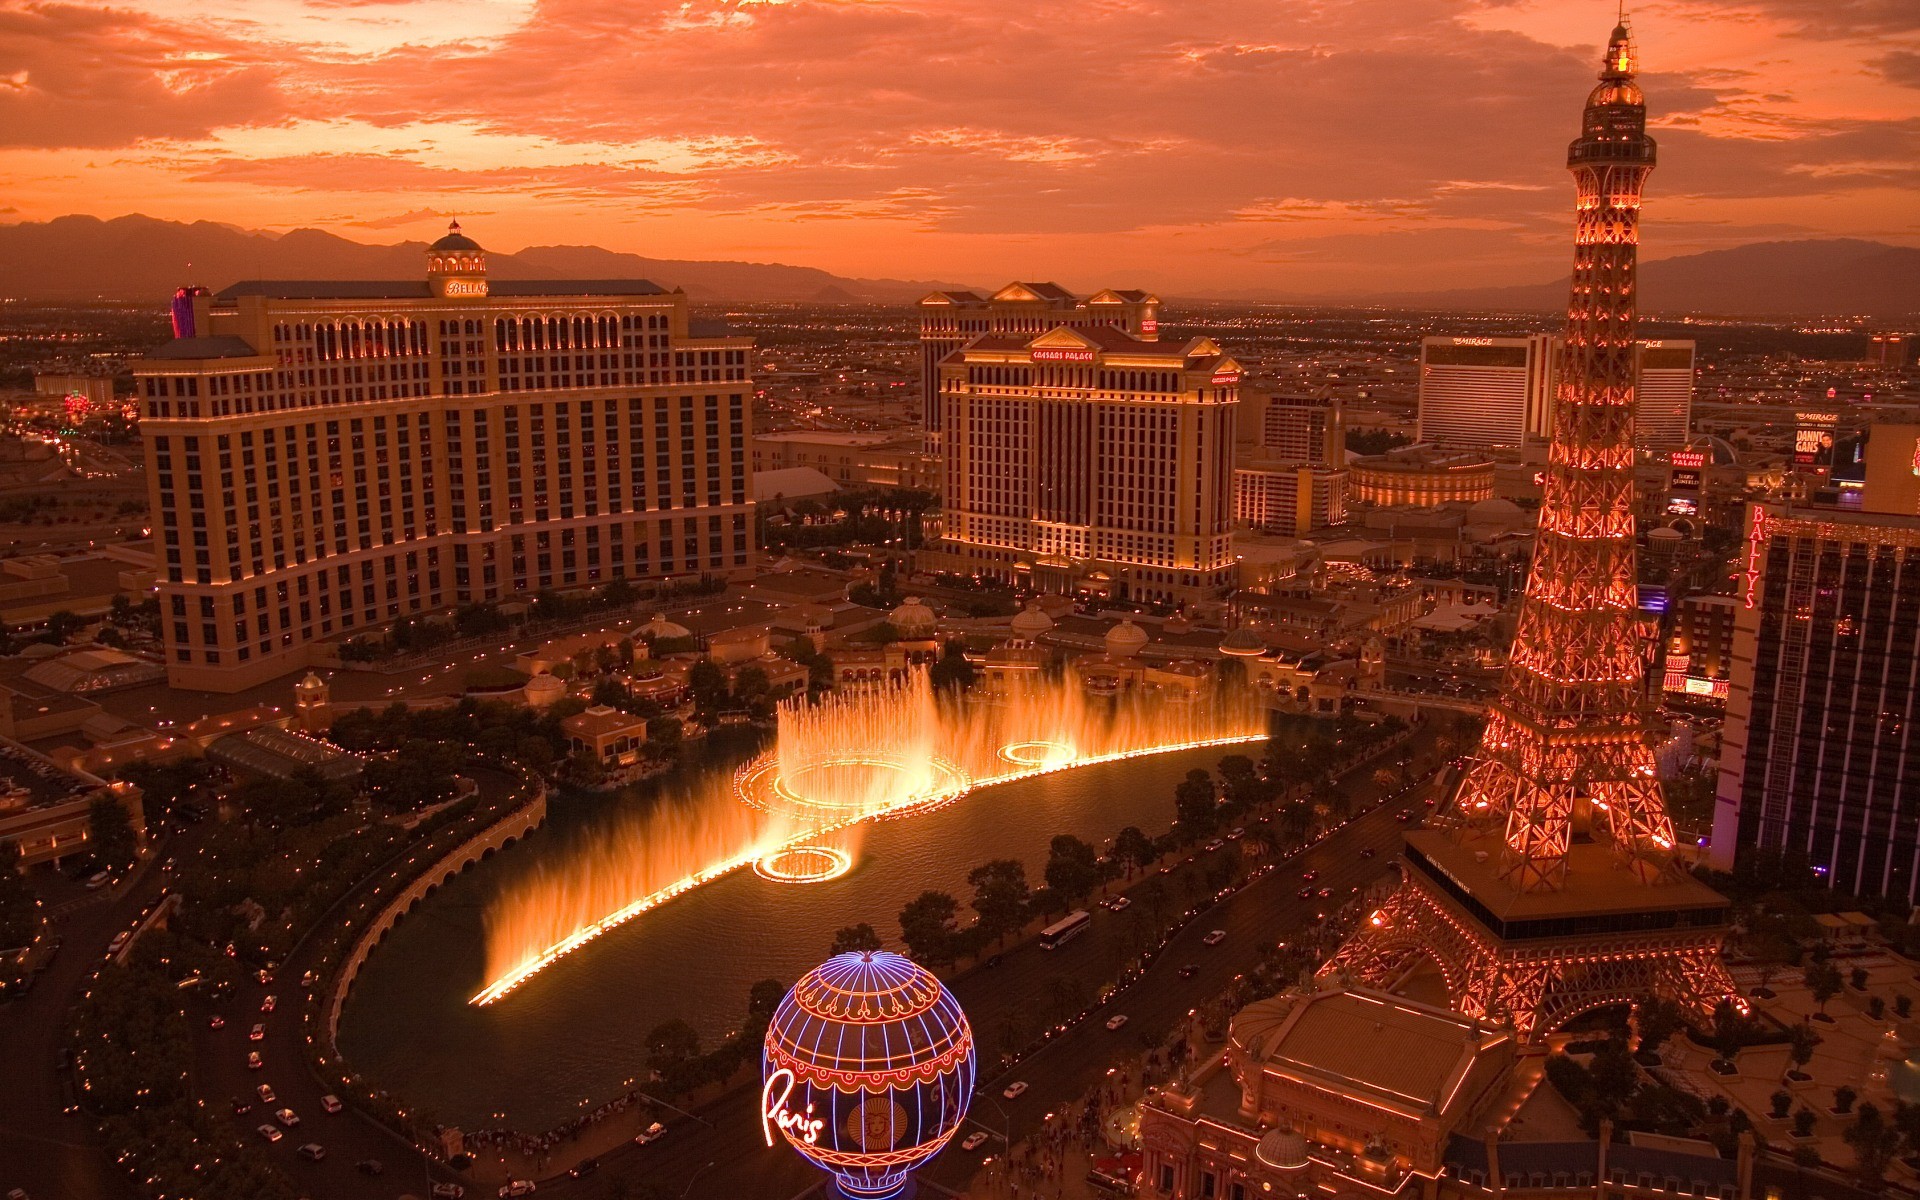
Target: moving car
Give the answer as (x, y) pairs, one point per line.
(1309, 876)
(257, 1034)
(369, 1166)
(330, 1104)
(1117, 1021)
(974, 1141)
(1214, 938)
(650, 1134)
(241, 1107)
(270, 1133)
(267, 1004)
(1367, 853)
(584, 1168)
(1325, 893)
(448, 1191)
(1190, 970)
(287, 1117)
(1015, 1090)
(1121, 903)
(517, 1187)
(216, 1021)
(254, 1061)
(313, 1152)
(265, 1093)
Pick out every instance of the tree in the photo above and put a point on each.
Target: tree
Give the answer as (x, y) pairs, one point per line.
(854, 938)
(1823, 981)
(1134, 848)
(927, 926)
(1801, 1040)
(1874, 1141)
(1195, 803)
(671, 1046)
(708, 683)
(110, 833)
(1843, 1098)
(1000, 895)
(763, 999)
(1803, 1122)
(1729, 1030)
(1658, 1019)
(664, 735)
(953, 673)
(16, 900)
(1073, 867)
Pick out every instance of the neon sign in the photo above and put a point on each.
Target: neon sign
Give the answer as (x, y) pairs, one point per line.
(464, 287)
(774, 1113)
(1227, 377)
(1756, 538)
(1688, 458)
(1063, 356)
(1472, 341)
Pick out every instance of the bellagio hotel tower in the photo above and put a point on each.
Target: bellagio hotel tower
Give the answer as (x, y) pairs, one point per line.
(325, 458)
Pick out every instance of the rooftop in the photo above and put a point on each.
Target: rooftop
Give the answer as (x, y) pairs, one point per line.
(420, 289)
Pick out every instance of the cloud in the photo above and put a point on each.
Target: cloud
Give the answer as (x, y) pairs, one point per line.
(1141, 133)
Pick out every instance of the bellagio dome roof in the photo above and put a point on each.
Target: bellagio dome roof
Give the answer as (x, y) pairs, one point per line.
(1125, 640)
(456, 241)
(912, 619)
(1243, 643)
(1282, 1149)
(1031, 622)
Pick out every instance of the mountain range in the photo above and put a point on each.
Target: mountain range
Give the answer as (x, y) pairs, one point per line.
(1776, 279)
(142, 258)
(139, 258)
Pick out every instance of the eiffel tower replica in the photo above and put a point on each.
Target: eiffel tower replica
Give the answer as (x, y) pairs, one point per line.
(1549, 885)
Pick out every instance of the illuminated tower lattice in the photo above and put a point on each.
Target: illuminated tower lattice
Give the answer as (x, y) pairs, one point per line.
(1551, 886)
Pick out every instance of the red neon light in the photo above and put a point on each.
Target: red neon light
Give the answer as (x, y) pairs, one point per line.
(1063, 355)
(1756, 537)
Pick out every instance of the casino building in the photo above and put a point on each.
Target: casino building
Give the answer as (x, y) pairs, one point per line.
(327, 457)
(1089, 460)
(949, 320)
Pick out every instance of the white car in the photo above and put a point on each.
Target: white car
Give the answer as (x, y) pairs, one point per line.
(1214, 938)
(1015, 1090)
(649, 1134)
(313, 1152)
(330, 1104)
(1117, 1021)
(517, 1187)
(974, 1141)
(287, 1117)
(270, 1133)
(448, 1191)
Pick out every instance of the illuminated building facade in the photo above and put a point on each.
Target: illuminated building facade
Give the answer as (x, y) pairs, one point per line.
(1891, 479)
(1480, 392)
(1421, 476)
(1823, 717)
(1663, 393)
(949, 320)
(1293, 428)
(1551, 887)
(1890, 349)
(325, 458)
(1289, 497)
(1089, 460)
(1699, 658)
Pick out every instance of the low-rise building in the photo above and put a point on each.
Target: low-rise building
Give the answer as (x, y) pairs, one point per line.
(1421, 476)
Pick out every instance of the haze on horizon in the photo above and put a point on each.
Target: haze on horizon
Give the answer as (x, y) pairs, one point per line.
(1193, 146)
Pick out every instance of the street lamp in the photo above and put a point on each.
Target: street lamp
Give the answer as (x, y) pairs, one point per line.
(688, 1190)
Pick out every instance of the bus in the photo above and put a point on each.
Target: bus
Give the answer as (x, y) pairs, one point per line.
(1065, 929)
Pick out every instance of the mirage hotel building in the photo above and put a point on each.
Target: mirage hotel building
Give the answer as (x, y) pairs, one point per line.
(325, 458)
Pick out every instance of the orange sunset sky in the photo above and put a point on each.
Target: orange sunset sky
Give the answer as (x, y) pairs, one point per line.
(1194, 146)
